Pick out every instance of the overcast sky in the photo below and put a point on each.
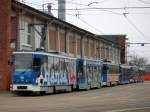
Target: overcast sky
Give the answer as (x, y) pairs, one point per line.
(135, 23)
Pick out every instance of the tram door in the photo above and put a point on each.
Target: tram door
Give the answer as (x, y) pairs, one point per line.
(80, 72)
(40, 67)
(105, 72)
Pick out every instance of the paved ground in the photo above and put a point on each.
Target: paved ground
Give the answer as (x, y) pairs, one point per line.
(123, 98)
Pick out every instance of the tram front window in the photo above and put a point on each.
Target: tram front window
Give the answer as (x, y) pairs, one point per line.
(23, 61)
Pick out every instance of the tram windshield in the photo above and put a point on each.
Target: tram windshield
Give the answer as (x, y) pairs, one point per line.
(23, 61)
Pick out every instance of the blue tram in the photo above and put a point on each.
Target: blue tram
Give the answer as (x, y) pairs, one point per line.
(43, 72)
(88, 73)
(136, 75)
(110, 74)
(48, 73)
(125, 71)
(130, 74)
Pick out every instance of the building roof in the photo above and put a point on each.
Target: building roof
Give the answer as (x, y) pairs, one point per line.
(119, 39)
(108, 38)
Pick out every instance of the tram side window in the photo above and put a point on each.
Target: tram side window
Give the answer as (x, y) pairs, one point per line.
(50, 64)
(66, 65)
(117, 69)
(88, 69)
(62, 65)
(73, 65)
(56, 65)
(70, 66)
(100, 69)
(94, 72)
(110, 69)
(44, 65)
(91, 72)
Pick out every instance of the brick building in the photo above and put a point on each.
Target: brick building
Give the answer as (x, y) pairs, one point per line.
(27, 29)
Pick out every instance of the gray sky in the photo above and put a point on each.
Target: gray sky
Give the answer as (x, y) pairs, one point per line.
(136, 24)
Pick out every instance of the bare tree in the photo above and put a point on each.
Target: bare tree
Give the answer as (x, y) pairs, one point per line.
(137, 60)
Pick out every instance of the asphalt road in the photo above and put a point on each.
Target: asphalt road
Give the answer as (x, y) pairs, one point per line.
(123, 98)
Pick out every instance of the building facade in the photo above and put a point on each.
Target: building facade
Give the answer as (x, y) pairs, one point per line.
(31, 29)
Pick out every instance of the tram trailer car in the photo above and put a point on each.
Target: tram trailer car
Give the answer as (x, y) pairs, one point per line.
(110, 74)
(43, 72)
(135, 74)
(88, 74)
(141, 74)
(124, 74)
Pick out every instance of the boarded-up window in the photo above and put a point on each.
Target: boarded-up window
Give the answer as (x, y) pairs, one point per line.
(97, 50)
(92, 49)
(102, 51)
(79, 46)
(107, 52)
(62, 41)
(71, 44)
(52, 39)
(86, 48)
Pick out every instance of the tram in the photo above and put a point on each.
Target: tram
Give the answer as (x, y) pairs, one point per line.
(110, 74)
(88, 73)
(43, 72)
(130, 74)
(40, 72)
(137, 74)
(124, 74)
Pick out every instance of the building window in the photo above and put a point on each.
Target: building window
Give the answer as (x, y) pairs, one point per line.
(97, 50)
(52, 39)
(79, 46)
(72, 44)
(29, 35)
(62, 42)
(86, 48)
(91, 49)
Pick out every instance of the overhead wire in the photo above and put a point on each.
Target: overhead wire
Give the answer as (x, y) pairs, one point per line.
(90, 7)
(108, 10)
(136, 28)
(90, 25)
(143, 1)
(75, 3)
(131, 23)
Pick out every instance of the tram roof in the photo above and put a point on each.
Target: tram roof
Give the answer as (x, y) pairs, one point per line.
(127, 66)
(46, 54)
